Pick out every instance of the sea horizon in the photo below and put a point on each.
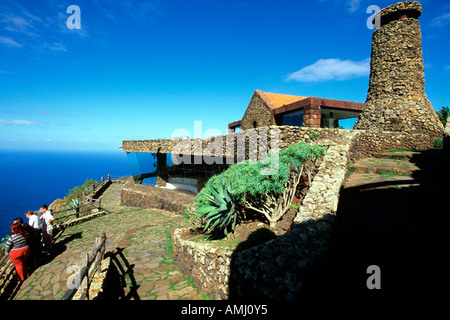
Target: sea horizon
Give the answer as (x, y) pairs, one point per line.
(31, 178)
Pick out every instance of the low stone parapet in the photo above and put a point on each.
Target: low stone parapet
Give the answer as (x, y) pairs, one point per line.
(142, 196)
(277, 269)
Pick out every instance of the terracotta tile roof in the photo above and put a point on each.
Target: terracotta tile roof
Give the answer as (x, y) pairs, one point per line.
(280, 100)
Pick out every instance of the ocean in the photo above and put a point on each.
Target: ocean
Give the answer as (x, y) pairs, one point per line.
(32, 178)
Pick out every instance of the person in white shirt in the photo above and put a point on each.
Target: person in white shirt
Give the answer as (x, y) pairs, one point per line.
(33, 220)
(47, 227)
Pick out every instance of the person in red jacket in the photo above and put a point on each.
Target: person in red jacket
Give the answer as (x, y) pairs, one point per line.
(18, 250)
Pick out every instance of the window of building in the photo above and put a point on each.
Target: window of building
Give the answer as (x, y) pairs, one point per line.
(293, 119)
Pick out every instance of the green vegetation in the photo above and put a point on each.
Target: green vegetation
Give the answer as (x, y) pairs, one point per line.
(76, 194)
(438, 143)
(389, 174)
(443, 115)
(220, 209)
(3, 244)
(75, 202)
(314, 135)
(245, 186)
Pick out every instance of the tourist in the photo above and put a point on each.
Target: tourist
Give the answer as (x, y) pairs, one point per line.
(18, 250)
(34, 240)
(33, 221)
(47, 227)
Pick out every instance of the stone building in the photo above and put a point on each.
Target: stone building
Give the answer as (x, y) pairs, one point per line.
(396, 99)
(267, 109)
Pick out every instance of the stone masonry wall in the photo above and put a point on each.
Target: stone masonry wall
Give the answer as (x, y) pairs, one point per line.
(368, 143)
(136, 195)
(206, 264)
(257, 112)
(323, 194)
(276, 269)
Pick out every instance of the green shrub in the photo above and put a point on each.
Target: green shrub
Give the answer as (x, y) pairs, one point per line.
(77, 192)
(443, 115)
(244, 184)
(438, 143)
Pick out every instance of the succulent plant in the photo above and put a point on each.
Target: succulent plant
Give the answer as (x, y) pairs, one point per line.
(220, 212)
(74, 203)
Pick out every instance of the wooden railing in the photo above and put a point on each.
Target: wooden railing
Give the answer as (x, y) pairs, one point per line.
(104, 183)
(79, 210)
(88, 266)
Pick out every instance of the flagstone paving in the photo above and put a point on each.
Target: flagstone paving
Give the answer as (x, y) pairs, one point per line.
(144, 236)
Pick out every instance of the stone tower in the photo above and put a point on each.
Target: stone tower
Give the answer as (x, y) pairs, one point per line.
(396, 99)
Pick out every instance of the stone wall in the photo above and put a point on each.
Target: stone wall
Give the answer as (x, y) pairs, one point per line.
(277, 269)
(323, 194)
(206, 264)
(282, 268)
(136, 195)
(367, 143)
(241, 142)
(258, 113)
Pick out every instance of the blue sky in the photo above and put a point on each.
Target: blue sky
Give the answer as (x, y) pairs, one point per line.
(142, 69)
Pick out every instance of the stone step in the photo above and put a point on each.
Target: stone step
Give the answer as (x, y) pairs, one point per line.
(376, 181)
(384, 166)
(396, 154)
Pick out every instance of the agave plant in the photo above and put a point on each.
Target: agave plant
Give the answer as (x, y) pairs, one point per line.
(220, 211)
(74, 203)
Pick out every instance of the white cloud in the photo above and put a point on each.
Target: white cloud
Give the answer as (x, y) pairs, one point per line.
(24, 122)
(447, 68)
(7, 41)
(352, 5)
(17, 122)
(55, 47)
(441, 20)
(16, 24)
(40, 112)
(331, 69)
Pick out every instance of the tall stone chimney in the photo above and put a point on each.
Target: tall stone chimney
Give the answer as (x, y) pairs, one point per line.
(396, 99)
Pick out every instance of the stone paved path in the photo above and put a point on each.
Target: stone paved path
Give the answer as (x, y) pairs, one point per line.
(144, 236)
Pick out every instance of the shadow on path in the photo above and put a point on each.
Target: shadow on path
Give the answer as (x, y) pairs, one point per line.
(405, 232)
(58, 248)
(120, 283)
